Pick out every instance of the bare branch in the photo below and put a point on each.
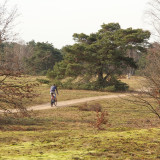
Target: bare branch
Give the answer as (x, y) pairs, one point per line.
(7, 20)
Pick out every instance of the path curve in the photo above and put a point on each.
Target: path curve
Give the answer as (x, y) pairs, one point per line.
(74, 101)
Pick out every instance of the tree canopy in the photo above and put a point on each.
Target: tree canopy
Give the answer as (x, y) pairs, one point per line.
(102, 54)
(43, 57)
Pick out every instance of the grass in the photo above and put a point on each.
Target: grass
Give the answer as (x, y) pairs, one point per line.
(44, 97)
(43, 91)
(135, 82)
(68, 133)
(67, 144)
(131, 132)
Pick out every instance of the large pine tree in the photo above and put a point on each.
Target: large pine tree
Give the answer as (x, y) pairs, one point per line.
(102, 54)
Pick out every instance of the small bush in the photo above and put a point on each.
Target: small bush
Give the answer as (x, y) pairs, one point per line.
(110, 89)
(43, 81)
(57, 83)
(111, 86)
(91, 107)
(101, 118)
(120, 86)
(68, 85)
(85, 86)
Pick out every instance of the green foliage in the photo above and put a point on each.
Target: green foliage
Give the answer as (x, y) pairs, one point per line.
(43, 81)
(111, 27)
(73, 69)
(112, 86)
(42, 59)
(103, 55)
(141, 64)
(116, 85)
(57, 83)
(120, 86)
(58, 71)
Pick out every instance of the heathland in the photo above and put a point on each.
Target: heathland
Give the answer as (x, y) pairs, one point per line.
(103, 129)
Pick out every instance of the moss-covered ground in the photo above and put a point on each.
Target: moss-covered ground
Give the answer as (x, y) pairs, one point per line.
(129, 133)
(74, 144)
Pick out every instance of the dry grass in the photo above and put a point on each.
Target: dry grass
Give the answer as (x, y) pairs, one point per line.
(90, 107)
(43, 91)
(44, 94)
(72, 133)
(135, 82)
(121, 115)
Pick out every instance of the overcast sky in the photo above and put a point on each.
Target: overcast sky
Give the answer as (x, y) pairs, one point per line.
(55, 21)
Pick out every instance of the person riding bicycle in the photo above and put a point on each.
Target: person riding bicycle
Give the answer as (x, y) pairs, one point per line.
(53, 90)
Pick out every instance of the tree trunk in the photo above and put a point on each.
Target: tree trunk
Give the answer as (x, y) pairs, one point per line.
(100, 78)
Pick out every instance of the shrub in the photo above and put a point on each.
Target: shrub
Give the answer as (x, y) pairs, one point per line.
(101, 118)
(57, 83)
(91, 107)
(111, 86)
(120, 86)
(110, 89)
(43, 81)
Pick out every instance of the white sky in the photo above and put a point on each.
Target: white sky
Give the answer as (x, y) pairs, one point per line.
(55, 21)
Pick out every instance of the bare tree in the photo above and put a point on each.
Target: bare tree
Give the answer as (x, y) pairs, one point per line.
(7, 22)
(149, 94)
(153, 17)
(14, 91)
(18, 51)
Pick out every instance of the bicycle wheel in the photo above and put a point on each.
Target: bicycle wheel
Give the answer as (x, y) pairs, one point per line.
(55, 102)
(52, 102)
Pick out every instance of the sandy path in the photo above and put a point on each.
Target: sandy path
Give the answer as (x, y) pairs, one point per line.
(74, 101)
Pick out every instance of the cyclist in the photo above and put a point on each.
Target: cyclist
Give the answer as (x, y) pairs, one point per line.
(53, 91)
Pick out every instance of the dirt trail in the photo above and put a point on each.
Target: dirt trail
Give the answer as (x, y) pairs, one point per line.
(74, 101)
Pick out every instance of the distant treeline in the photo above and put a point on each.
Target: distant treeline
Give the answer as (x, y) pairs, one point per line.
(98, 59)
(33, 58)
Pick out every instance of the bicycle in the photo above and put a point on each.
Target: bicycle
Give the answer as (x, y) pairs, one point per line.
(53, 100)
